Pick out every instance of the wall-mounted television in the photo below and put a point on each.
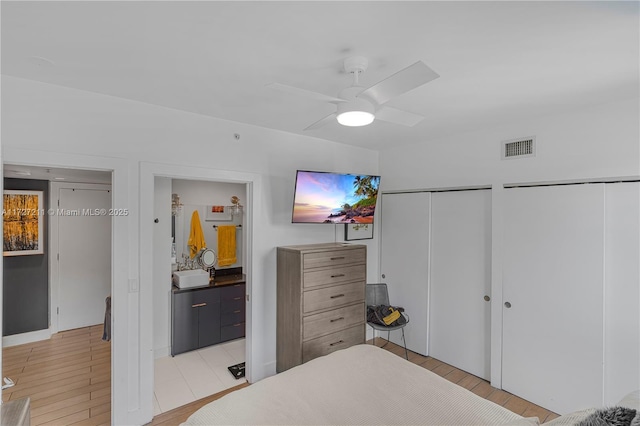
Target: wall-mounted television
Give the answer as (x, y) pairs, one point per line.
(325, 197)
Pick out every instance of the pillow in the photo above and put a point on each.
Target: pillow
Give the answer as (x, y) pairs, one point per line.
(611, 416)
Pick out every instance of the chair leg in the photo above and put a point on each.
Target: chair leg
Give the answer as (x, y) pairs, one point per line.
(406, 354)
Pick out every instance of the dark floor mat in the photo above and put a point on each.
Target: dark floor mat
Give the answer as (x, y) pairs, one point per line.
(237, 370)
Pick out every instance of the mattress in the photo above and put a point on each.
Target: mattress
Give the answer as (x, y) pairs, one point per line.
(360, 385)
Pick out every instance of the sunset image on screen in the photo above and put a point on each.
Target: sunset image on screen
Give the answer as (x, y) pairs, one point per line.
(334, 198)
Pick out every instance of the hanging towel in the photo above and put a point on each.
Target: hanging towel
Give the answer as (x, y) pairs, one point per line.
(226, 245)
(196, 236)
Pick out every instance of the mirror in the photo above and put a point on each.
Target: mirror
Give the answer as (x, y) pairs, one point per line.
(206, 258)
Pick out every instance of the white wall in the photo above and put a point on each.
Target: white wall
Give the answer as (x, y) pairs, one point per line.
(48, 118)
(197, 195)
(598, 142)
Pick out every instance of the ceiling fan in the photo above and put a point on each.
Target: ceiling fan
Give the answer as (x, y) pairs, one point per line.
(359, 106)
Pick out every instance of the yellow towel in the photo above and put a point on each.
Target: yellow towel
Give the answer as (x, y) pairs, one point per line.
(226, 245)
(196, 236)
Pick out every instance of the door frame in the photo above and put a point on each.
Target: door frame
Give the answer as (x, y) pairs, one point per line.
(54, 265)
(252, 210)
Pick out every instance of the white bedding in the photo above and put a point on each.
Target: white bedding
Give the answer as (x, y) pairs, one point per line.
(361, 385)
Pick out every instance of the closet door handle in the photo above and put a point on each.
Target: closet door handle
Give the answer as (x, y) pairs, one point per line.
(198, 305)
(337, 295)
(486, 298)
(507, 305)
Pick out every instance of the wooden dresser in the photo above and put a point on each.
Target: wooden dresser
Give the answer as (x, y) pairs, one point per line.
(321, 305)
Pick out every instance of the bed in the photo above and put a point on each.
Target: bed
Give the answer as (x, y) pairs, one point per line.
(360, 385)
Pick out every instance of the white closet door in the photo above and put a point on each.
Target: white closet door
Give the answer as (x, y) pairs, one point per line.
(553, 283)
(459, 322)
(404, 262)
(622, 291)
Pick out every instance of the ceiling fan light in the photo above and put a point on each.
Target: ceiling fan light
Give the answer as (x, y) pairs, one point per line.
(355, 118)
(357, 112)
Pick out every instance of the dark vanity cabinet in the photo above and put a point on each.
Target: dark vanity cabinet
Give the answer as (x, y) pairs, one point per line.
(232, 312)
(206, 316)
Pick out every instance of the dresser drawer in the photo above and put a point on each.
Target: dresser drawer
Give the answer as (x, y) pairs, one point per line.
(332, 297)
(332, 321)
(334, 276)
(333, 258)
(324, 345)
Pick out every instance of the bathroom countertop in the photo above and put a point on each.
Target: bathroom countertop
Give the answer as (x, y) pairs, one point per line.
(218, 281)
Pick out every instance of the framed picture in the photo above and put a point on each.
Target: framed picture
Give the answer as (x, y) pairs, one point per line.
(358, 231)
(217, 213)
(23, 218)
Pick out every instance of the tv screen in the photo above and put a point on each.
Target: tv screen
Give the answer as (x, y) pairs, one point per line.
(324, 197)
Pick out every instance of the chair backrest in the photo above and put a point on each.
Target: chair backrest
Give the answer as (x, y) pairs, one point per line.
(377, 294)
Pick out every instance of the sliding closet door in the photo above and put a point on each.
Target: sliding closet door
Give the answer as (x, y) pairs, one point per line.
(459, 312)
(552, 292)
(622, 292)
(404, 259)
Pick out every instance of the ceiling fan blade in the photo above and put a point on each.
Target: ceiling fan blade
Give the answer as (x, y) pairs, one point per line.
(305, 93)
(401, 82)
(397, 116)
(322, 122)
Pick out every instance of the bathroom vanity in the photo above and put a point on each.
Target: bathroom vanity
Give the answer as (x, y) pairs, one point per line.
(208, 315)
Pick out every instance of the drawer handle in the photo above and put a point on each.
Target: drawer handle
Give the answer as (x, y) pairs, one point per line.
(337, 295)
(336, 343)
(237, 312)
(337, 275)
(237, 298)
(337, 258)
(237, 325)
(198, 305)
(337, 319)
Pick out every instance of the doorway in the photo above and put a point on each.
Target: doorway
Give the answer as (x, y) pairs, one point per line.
(148, 173)
(43, 351)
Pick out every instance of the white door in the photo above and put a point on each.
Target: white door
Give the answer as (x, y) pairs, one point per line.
(404, 247)
(459, 312)
(552, 292)
(622, 291)
(84, 265)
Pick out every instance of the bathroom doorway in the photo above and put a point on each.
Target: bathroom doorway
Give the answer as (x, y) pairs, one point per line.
(251, 186)
(195, 346)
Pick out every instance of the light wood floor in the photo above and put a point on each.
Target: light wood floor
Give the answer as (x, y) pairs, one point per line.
(67, 377)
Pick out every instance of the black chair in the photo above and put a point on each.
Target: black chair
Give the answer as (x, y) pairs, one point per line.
(377, 294)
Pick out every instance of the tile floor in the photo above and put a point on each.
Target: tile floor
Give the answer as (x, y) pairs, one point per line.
(194, 375)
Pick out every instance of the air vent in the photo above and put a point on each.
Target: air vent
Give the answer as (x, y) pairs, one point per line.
(519, 148)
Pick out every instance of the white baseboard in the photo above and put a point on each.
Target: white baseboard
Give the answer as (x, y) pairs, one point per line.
(30, 337)
(161, 352)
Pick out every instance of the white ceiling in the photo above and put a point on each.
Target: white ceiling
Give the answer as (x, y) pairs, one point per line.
(498, 61)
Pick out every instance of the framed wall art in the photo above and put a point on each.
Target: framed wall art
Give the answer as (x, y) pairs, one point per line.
(23, 219)
(214, 213)
(358, 231)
